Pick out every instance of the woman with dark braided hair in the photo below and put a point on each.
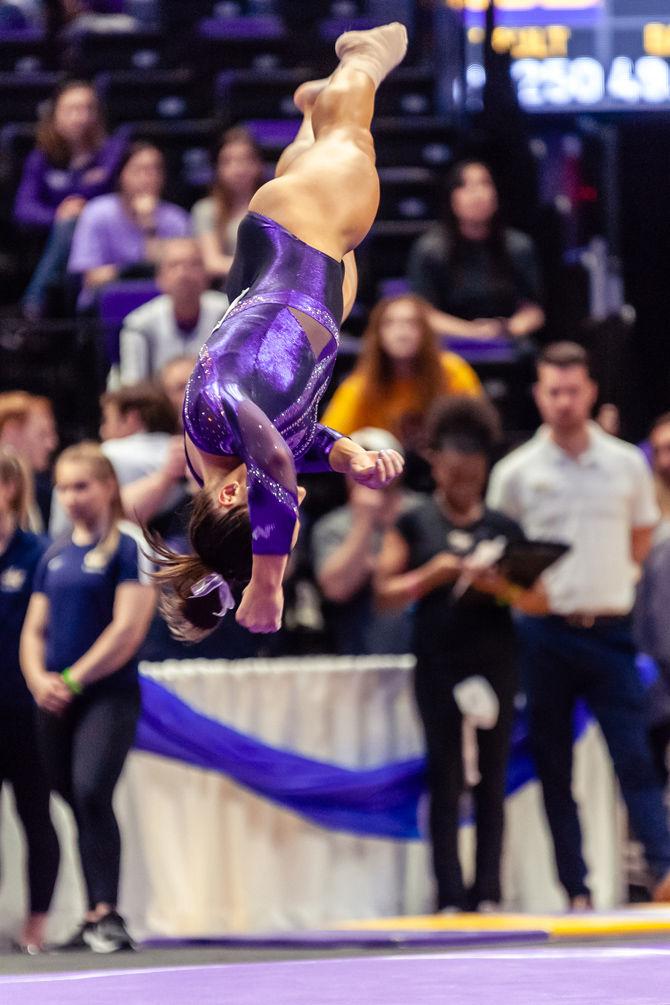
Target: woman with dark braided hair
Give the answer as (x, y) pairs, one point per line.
(251, 403)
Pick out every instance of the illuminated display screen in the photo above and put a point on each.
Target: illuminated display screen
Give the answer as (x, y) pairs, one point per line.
(571, 55)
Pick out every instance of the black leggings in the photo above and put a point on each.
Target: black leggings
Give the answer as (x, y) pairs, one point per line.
(84, 751)
(442, 723)
(20, 765)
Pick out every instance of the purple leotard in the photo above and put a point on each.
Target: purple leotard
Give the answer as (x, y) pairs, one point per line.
(256, 386)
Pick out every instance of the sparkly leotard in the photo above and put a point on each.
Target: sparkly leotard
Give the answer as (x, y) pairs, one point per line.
(255, 388)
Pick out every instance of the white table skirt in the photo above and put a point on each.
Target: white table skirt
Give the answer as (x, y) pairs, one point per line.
(203, 857)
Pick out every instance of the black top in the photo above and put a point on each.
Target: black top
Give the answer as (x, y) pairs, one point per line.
(474, 286)
(475, 627)
(17, 569)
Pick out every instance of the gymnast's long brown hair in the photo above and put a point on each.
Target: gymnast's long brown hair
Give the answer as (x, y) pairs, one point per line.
(221, 542)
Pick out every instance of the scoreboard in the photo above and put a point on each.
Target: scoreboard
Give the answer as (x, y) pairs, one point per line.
(572, 55)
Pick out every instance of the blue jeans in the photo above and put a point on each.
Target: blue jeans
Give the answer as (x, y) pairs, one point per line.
(52, 266)
(560, 664)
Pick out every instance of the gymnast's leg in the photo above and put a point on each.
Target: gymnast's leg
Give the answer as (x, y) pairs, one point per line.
(305, 97)
(327, 192)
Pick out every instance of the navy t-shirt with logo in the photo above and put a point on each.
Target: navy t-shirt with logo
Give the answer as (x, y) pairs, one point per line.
(17, 570)
(80, 583)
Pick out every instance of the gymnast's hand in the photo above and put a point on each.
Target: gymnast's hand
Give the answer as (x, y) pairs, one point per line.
(376, 468)
(261, 608)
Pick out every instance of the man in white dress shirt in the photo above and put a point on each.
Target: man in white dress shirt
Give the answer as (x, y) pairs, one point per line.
(575, 483)
(176, 323)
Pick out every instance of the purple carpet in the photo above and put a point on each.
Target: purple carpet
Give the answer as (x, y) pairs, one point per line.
(577, 975)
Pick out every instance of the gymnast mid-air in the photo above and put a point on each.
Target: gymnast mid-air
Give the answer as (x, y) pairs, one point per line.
(250, 412)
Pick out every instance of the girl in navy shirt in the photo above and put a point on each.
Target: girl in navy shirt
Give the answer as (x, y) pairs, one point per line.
(20, 765)
(87, 617)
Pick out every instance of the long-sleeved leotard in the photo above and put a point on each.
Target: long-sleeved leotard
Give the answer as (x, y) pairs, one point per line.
(256, 386)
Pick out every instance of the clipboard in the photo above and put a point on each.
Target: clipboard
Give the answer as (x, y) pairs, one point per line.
(523, 562)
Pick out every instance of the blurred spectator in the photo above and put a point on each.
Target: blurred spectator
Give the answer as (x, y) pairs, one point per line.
(608, 418)
(573, 482)
(345, 544)
(74, 160)
(120, 235)
(239, 173)
(459, 634)
(86, 619)
(20, 765)
(136, 421)
(652, 602)
(659, 440)
(177, 322)
(27, 425)
(400, 372)
(137, 429)
(173, 378)
(481, 278)
(652, 637)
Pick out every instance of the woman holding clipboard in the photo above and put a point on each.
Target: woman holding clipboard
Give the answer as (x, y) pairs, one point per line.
(445, 558)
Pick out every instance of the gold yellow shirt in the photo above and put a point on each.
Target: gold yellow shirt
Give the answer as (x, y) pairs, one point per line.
(349, 410)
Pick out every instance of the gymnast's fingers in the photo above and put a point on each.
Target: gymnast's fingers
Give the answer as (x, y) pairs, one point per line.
(381, 467)
(387, 468)
(398, 462)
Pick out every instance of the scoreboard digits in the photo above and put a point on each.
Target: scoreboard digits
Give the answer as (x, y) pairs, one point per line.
(571, 55)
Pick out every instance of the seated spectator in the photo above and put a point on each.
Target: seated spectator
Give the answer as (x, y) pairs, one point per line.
(137, 424)
(138, 432)
(74, 160)
(27, 425)
(344, 548)
(399, 373)
(175, 323)
(481, 279)
(239, 172)
(462, 631)
(659, 440)
(120, 235)
(173, 378)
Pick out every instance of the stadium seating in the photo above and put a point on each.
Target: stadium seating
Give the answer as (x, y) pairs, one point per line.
(25, 51)
(21, 94)
(132, 95)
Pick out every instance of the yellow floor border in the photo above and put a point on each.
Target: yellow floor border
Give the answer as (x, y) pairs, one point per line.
(627, 921)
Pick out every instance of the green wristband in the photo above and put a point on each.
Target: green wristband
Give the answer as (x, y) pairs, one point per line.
(71, 683)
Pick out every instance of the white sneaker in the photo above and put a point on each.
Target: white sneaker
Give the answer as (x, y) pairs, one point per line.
(108, 935)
